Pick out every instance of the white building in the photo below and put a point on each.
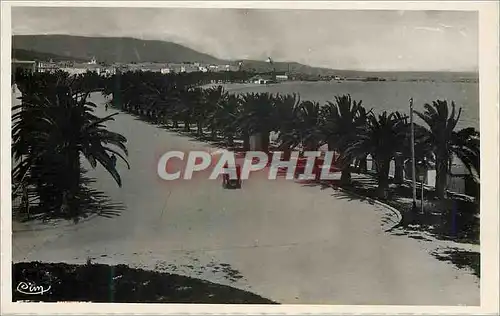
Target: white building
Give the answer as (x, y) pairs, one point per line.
(282, 77)
(46, 66)
(261, 79)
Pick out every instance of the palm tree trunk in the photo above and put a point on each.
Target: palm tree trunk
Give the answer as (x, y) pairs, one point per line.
(311, 145)
(383, 179)
(398, 169)
(69, 205)
(199, 128)
(287, 151)
(256, 142)
(441, 177)
(230, 140)
(246, 141)
(345, 177)
(363, 165)
(265, 141)
(331, 146)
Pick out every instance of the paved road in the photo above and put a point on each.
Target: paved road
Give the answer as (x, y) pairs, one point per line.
(279, 239)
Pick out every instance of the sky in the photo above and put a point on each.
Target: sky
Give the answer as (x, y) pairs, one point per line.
(340, 39)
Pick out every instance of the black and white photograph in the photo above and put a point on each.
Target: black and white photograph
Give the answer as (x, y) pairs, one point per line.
(249, 155)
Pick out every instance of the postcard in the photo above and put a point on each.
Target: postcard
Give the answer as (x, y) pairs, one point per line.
(250, 157)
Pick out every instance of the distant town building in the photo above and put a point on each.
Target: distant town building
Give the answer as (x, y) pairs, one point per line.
(81, 68)
(282, 77)
(47, 66)
(108, 71)
(261, 79)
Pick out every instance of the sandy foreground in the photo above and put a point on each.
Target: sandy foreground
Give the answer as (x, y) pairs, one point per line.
(279, 239)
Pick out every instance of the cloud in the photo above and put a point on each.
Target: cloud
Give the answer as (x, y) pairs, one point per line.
(368, 40)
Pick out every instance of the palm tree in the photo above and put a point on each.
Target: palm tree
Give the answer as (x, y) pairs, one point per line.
(54, 126)
(224, 115)
(446, 142)
(287, 119)
(212, 97)
(344, 119)
(382, 139)
(310, 121)
(257, 118)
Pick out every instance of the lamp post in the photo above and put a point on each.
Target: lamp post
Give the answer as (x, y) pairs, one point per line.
(412, 139)
(422, 197)
(424, 175)
(271, 62)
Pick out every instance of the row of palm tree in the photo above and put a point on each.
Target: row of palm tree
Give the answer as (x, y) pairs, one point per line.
(53, 127)
(343, 124)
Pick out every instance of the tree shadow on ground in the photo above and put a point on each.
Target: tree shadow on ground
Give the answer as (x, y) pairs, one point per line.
(339, 190)
(450, 219)
(454, 219)
(462, 259)
(223, 270)
(121, 284)
(90, 202)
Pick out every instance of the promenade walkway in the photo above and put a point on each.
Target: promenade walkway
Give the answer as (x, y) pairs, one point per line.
(278, 239)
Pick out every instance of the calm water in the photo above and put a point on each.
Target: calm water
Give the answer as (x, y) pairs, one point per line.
(380, 96)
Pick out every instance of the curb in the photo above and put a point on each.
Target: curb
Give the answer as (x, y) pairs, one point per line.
(395, 211)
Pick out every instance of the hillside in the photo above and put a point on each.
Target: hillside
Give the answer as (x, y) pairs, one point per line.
(292, 67)
(109, 49)
(23, 54)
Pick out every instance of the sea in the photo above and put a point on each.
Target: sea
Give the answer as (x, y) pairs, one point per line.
(381, 95)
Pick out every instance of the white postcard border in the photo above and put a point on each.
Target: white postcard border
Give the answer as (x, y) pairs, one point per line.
(489, 118)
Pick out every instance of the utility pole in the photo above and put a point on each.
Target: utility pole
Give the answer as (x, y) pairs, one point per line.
(412, 133)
